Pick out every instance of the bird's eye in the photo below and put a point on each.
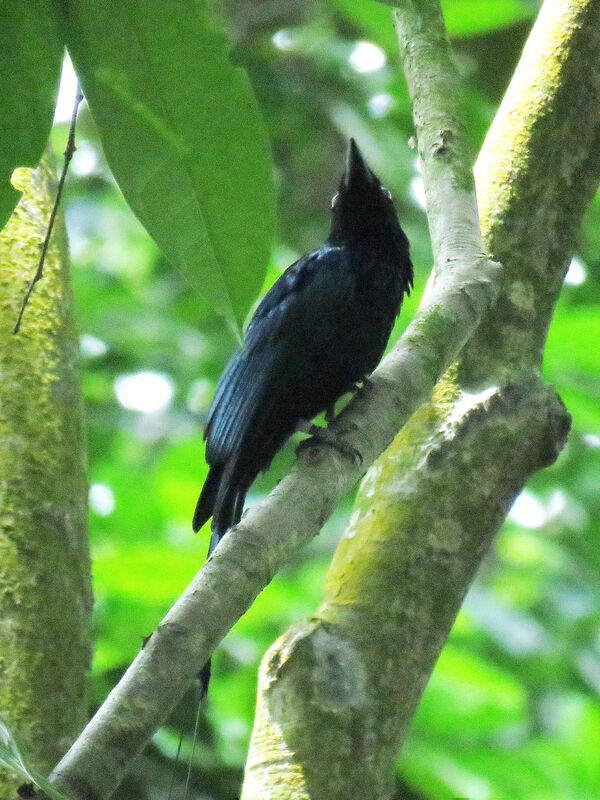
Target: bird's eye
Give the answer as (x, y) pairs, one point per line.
(387, 192)
(334, 200)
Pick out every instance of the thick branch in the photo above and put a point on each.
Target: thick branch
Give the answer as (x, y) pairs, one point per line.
(336, 695)
(435, 91)
(536, 173)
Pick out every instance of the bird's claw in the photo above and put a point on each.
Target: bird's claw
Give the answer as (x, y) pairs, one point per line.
(325, 436)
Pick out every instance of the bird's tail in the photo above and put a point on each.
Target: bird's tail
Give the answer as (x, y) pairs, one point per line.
(227, 512)
(208, 496)
(222, 499)
(204, 678)
(225, 504)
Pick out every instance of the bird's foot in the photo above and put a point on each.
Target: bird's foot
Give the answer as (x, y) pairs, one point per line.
(326, 436)
(364, 385)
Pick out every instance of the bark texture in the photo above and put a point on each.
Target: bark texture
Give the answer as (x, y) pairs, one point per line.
(337, 693)
(45, 588)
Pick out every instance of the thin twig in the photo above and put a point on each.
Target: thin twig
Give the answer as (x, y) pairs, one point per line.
(174, 771)
(68, 154)
(194, 740)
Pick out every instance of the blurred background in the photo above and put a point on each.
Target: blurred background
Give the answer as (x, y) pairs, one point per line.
(512, 710)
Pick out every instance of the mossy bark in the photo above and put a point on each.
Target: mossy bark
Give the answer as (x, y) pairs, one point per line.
(337, 693)
(45, 585)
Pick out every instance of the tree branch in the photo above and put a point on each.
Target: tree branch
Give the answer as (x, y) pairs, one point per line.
(464, 288)
(446, 163)
(336, 694)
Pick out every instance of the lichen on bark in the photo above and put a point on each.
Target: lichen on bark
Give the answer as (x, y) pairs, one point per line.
(45, 587)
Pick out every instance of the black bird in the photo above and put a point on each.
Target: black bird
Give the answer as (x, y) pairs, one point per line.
(321, 328)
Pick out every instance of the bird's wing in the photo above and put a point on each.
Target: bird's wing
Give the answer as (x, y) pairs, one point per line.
(241, 391)
(310, 292)
(299, 309)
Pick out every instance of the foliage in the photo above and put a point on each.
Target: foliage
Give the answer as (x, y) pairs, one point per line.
(512, 710)
(178, 161)
(31, 54)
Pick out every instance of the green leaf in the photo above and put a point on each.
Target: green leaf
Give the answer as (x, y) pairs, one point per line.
(31, 54)
(183, 135)
(472, 17)
(11, 759)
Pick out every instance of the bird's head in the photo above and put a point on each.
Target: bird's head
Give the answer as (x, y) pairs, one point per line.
(364, 214)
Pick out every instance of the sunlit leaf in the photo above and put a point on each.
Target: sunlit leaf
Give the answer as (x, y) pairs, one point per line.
(472, 17)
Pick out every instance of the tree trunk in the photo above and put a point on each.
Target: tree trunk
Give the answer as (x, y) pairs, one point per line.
(337, 693)
(45, 586)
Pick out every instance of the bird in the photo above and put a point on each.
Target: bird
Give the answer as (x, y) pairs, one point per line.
(319, 331)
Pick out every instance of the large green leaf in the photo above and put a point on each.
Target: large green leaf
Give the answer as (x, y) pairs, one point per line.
(184, 137)
(30, 61)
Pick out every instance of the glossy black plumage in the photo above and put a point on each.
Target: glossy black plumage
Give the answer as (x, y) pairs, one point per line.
(321, 328)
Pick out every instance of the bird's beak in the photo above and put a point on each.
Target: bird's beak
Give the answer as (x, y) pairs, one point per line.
(357, 172)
